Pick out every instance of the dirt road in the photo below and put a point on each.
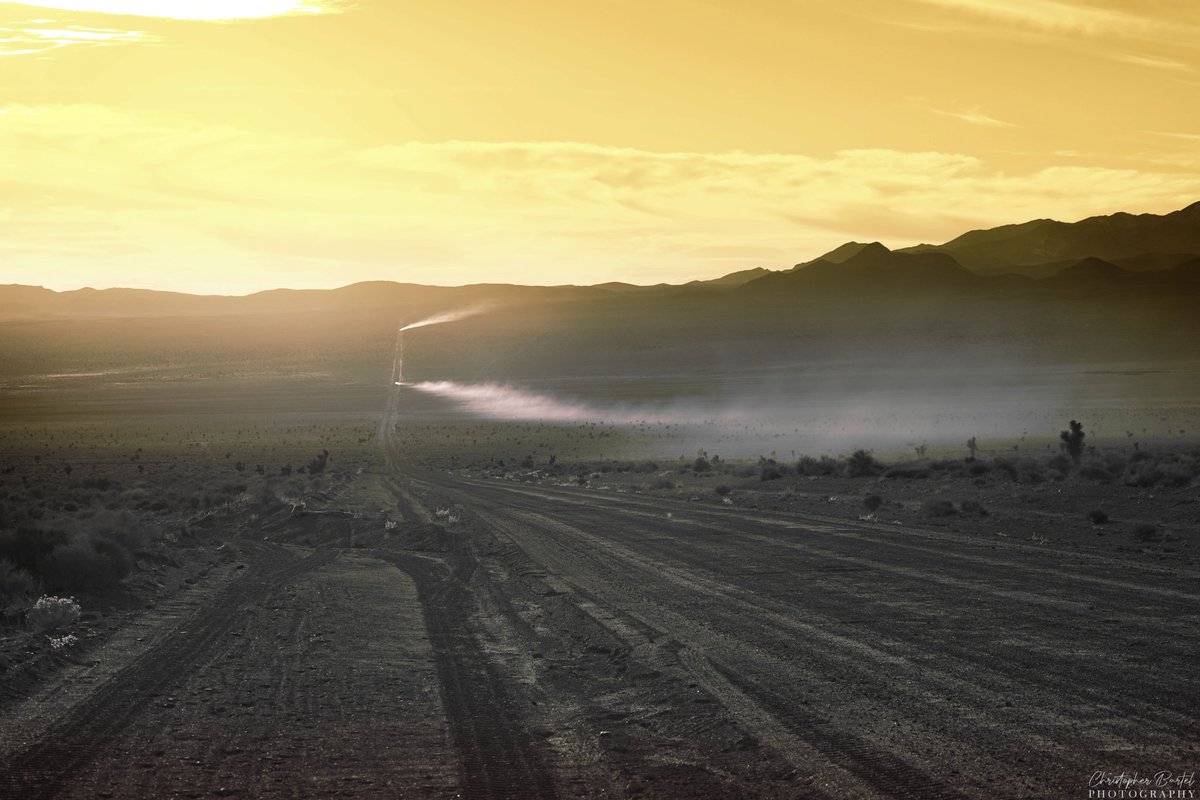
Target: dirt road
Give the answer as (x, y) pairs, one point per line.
(872, 661)
(537, 642)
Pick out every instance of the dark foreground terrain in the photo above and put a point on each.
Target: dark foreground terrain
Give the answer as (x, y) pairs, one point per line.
(488, 633)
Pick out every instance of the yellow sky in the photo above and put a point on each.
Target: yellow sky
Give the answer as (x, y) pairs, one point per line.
(235, 145)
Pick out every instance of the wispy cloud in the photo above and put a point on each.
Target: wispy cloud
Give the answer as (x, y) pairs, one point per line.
(38, 37)
(207, 10)
(1190, 137)
(1052, 15)
(975, 117)
(94, 192)
(1154, 62)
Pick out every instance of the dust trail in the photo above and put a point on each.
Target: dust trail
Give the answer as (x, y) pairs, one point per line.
(396, 356)
(500, 401)
(399, 370)
(447, 316)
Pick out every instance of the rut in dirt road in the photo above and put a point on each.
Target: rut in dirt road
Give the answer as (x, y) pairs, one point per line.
(875, 657)
(499, 759)
(43, 770)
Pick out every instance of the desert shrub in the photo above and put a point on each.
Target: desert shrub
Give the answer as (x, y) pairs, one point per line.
(746, 471)
(1097, 517)
(1175, 475)
(807, 465)
(1095, 472)
(1029, 471)
(1060, 463)
(16, 585)
(872, 502)
(663, 483)
(28, 547)
(980, 468)
(52, 613)
(701, 464)
(86, 563)
(973, 508)
(1142, 473)
(1145, 532)
(938, 508)
(318, 462)
(768, 470)
(1007, 467)
(723, 490)
(1139, 455)
(917, 471)
(861, 464)
(120, 526)
(645, 466)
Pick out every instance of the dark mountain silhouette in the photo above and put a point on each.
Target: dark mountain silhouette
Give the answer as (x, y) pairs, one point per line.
(1147, 262)
(870, 269)
(1145, 255)
(734, 278)
(1093, 269)
(838, 254)
(1116, 236)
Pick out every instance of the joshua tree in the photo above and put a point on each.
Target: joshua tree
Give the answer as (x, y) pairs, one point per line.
(972, 447)
(1073, 441)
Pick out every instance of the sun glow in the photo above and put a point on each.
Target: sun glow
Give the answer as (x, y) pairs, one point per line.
(207, 10)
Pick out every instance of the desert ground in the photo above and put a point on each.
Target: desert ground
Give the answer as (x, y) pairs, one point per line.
(328, 587)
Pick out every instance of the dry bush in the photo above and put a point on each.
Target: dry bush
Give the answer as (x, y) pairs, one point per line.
(16, 585)
(979, 468)
(938, 508)
(1006, 466)
(1143, 473)
(53, 613)
(911, 471)
(87, 561)
(1061, 463)
(769, 470)
(861, 464)
(1145, 532)
(812, 466)
(973, 508)
(1096, 472)
(28, 546)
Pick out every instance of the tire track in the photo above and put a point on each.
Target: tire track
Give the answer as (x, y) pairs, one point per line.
(606, 560)
(842, 761)
(949, 545)
(499, 759)
(43, 769)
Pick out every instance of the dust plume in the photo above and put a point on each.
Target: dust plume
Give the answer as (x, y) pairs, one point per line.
(446, 316)
(501, 401)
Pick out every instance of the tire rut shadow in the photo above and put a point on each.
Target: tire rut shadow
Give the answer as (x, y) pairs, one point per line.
(499, 758)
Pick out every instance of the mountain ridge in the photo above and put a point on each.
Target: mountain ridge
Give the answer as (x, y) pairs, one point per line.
(1145, 253)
